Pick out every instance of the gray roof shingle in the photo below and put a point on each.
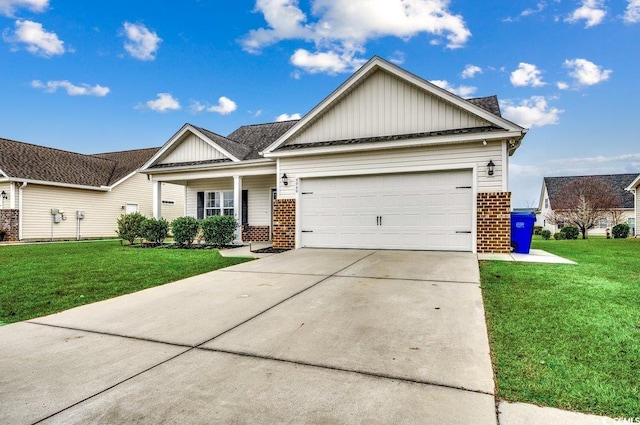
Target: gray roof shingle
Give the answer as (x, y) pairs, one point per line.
(259, 136)
(618, 182)
(32, 162)
(488, 103)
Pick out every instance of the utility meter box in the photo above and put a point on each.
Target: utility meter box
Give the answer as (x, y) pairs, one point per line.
(57, 218)
(80, 215)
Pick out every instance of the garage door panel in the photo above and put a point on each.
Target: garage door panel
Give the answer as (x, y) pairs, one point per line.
(417, 211)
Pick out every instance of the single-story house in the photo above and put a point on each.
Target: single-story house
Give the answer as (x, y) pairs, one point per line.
(623, 213)
(50, 194)
(387, 161)
(634, 188)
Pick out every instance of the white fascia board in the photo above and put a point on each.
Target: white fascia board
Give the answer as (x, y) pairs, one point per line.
(176, 137)
(66, 185)
(370, 66)
(393, 144)
(200, 167)
(266, 168)
(634, 184)
(3, 174)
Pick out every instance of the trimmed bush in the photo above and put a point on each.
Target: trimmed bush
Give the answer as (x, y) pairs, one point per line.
(155, 230)
(185, 230)
(537, 230)
(546, 234)
(560, 236)
(219, 230)
(130, 226)
(571, 232)
(620, 231)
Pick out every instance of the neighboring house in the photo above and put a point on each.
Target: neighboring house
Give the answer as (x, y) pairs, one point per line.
(54, 194)
(386, 161)
(634, 188)
(552, 187)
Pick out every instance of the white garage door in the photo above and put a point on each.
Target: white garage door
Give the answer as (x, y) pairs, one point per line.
(424, 211)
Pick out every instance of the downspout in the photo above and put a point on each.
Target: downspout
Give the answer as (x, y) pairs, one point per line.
(24, 184)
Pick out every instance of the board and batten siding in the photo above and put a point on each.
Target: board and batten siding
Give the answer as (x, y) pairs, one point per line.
(192, 148)
(101, 209)
(398, 161)
(384, 105)
(259, 192)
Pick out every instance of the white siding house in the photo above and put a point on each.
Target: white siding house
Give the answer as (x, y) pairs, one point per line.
(388, 160)
(634, 222)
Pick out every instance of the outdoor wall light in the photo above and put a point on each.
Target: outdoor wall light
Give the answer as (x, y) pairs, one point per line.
(285, 179)
(490, 167)
(4, 195)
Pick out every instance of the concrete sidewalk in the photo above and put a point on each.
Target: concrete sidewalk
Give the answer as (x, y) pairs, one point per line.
(307, 336)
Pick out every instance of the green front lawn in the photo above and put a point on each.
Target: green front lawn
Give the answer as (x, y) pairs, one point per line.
(568, 336)
(41, 279)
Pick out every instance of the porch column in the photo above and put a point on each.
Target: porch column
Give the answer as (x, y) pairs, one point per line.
(237, 206)
(12, 196)
(157, 199)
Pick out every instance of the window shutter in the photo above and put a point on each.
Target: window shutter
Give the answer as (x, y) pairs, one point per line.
(245, 207)
(200, 205)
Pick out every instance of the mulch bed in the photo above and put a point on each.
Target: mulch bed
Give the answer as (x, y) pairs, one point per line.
(270, 250)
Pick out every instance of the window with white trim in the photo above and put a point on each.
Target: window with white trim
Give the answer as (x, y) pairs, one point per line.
(218, 203)
(604, 223)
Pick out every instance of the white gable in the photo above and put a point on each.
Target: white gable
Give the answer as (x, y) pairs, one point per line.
(191, 148)
(384, 105)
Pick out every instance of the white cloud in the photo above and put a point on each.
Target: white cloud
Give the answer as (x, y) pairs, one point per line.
(38, 41)
(142, 43)
(72, 89)
(225, 106)
(524, 170)
(586, 73)
(164, 102)
(462, 91)
(527, 75)
(340, 29)
(532, 112)
(591, 11)
(632, 13)
(562, 85)
(397, 58)
(8, 7)
(598, 159)
(287, 117)
(528, 12)
(470, 71)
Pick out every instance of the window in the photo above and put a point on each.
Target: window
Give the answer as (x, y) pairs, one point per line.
(546, 202)
(130, 208)
(604, 223)
(632, 224)
(218, 203)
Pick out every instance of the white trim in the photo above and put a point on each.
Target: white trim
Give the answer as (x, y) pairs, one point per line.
(176, 137)
(68, 185)
(20, 211)
(633, 184)
(473, 167)
(6, 176)
(207, 174)
(237, 206)
(123, 179)
(199, 167)
(393, 144)
(377, 63)
(156, 199)
(505, 167)
(12, 201)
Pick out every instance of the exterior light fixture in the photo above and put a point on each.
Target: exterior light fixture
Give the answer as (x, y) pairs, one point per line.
(490, 167)
(285, 179)
(4, 195)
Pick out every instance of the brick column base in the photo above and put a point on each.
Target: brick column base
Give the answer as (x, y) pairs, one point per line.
(284, 223)
(9, 223)
(494, 222)
(255, 233)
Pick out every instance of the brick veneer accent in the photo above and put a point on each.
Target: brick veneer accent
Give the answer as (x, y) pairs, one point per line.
(255, 233)
(494, 222)
(9, 222)
(284, 223)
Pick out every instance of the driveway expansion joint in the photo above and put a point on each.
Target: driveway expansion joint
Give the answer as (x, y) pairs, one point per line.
(406, 279)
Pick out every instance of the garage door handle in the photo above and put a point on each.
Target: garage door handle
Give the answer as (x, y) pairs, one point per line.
(307, 231)
(378, 220)
(463, 231)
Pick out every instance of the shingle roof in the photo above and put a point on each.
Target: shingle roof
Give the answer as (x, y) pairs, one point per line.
(618, 182)
(488, 103)
(236, 149)
(32, 162)
(259, 136)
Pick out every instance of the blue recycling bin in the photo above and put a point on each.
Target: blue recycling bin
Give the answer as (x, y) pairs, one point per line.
(522, 231)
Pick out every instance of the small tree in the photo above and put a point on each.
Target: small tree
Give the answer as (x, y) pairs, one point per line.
(185, 230)
(130, 226)
(155, 230)
(582, 203)
(219, 230)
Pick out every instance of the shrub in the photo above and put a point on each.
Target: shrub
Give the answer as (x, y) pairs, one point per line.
(155, 230)
(537, 230)
(546, 234)
(184, 230)
(130, 226)
(560, 236)
(219, 230)
(620, 231)
(571, 232)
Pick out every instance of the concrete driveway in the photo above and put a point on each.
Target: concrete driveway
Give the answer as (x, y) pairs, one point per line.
(307, 336)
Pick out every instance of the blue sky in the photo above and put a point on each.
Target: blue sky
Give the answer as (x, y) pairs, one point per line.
(103, 76)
